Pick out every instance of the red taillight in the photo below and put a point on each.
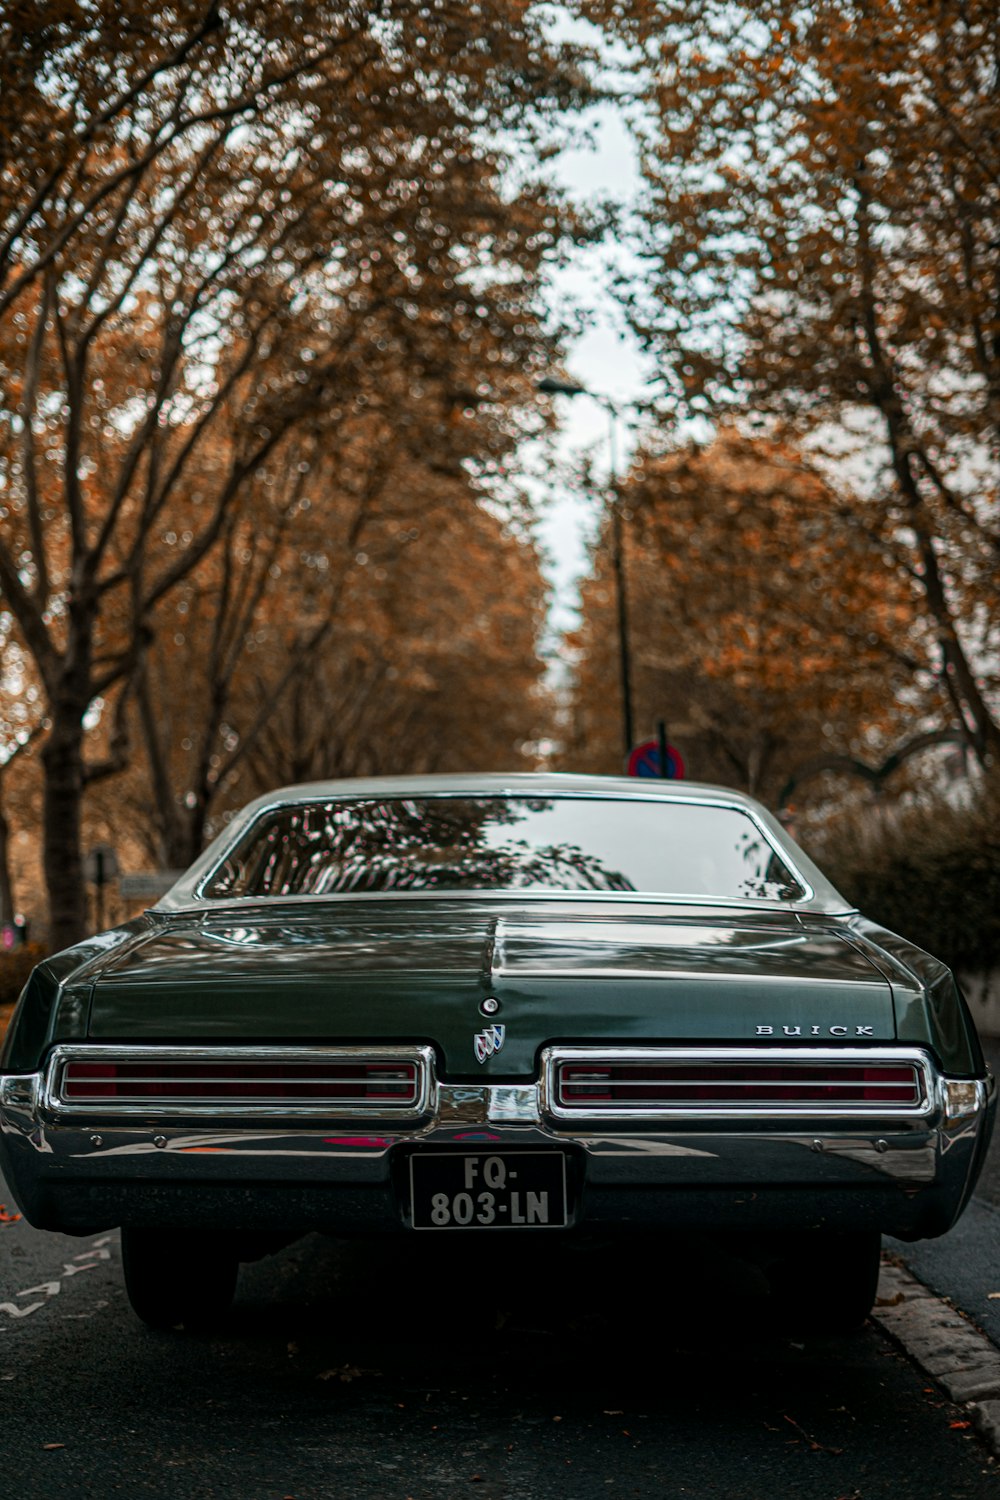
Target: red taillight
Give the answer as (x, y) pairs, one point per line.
(173, 1081)
(596, 1086)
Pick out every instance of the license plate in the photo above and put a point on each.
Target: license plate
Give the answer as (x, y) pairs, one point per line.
(488, 1190)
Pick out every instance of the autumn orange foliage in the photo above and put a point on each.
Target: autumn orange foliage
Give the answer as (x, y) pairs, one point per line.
(229, 243)
(762, 630)
(821, 223)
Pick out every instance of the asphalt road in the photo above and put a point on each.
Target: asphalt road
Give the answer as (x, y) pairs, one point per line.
(426, 1370)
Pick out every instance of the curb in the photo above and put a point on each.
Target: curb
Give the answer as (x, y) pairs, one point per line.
(946, 1346)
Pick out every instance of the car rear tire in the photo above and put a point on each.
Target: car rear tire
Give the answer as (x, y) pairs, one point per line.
(826, 1283)
(176, 1277)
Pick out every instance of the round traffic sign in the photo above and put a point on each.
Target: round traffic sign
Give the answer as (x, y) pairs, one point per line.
(645, 761)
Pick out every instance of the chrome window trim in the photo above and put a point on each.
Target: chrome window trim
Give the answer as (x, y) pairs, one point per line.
(197, 903)
(594, 971)
(53, 1103)
(690, 799)
(932, 1082)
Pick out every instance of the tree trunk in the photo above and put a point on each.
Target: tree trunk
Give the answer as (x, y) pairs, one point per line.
(62, 853)
(171, 822)
(196, 829)
(6, 879)
(182, 840)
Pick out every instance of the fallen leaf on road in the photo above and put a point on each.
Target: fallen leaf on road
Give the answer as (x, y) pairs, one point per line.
(48, 1447)
(345, 1373)
(959, 1426)
(5, 1217)
(814, 1444)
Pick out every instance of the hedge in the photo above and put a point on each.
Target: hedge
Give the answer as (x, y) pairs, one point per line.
(930, 872)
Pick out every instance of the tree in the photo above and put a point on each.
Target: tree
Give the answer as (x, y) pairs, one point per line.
(215, 226)
(379, 616)
(436, 665)
(762, 630)
(822, 223)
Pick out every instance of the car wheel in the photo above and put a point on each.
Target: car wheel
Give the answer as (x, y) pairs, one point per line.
(825, 1283)
(174, 1277)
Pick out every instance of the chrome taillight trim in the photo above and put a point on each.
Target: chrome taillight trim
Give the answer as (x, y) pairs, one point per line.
(418, 1105)
(928, 1082)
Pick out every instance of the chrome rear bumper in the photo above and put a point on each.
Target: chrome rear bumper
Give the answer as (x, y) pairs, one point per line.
(905, 1172)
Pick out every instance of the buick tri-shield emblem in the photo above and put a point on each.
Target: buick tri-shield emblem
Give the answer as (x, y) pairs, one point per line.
(489, 1041)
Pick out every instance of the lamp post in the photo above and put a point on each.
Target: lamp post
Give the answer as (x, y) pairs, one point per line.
(551, 385)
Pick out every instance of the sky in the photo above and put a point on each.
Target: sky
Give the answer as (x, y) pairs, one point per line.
(605, 359)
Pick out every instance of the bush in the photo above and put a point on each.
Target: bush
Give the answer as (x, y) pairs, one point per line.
(15, 966)
(930, 872)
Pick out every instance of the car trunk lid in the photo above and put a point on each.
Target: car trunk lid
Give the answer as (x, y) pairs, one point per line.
(559, 974)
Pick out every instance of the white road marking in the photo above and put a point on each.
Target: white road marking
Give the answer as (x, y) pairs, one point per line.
(20, 1312)
(96, 1252)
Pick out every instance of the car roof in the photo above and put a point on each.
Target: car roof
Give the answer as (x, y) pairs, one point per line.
(476, 783)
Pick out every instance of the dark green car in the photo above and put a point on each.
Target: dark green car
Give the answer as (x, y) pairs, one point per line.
(496, 1005)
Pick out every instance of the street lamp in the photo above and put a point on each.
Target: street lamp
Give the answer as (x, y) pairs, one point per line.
(551, 385)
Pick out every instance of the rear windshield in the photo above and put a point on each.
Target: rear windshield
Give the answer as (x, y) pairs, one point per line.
(505, 843)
